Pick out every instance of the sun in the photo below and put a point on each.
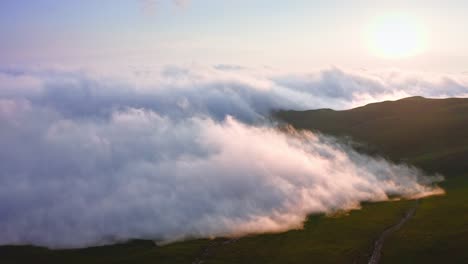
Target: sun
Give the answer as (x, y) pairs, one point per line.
(396, 36)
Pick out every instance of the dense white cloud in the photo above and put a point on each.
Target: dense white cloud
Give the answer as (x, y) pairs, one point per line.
(176, 152)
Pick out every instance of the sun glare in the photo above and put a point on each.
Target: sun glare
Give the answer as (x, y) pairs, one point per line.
(396, 36)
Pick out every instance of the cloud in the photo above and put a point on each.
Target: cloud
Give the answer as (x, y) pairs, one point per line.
(181, 2)
(246, 94)
(172, 153)
(229, 67)
(341, 90)
(150, 6)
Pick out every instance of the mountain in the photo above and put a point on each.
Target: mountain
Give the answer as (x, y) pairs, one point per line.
(429, 133)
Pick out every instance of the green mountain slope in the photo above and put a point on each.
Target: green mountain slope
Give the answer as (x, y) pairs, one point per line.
(430, 133)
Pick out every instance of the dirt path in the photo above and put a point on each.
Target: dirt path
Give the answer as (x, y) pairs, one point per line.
(209, 250)
(216, 244)
(378, 244)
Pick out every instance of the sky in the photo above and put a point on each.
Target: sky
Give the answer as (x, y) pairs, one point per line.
(299, 34)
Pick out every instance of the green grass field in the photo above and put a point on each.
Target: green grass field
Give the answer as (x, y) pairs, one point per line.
(429, 133)
(432, 134)
(438, 233)
(340, 239)
(325, 239)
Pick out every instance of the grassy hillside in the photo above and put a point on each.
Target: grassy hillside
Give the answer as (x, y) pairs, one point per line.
(340, 239)
(438, 233)
(418, 130)
(430, 133)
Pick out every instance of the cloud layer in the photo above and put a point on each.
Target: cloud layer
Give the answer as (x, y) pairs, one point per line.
(176, 153)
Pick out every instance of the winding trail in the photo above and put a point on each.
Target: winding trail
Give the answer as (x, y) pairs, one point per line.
(378, 244)
(216, 244)
(211, 248)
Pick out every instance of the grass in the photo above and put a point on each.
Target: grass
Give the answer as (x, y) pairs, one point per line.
(429, 133)
(438, 232)
(132, 252)
(323, 239)
(335, 239)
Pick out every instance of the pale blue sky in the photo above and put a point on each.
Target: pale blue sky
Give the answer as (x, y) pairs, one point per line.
(293, 33)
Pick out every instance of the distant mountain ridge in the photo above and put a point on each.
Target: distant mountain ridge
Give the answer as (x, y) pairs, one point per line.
(430, 133)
